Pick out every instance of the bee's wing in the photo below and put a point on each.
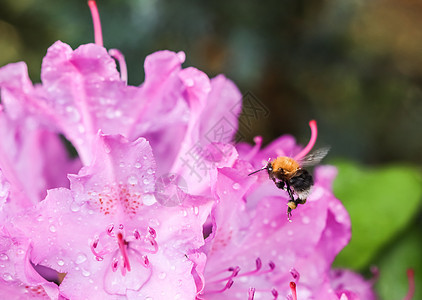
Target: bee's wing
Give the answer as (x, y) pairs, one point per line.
(314, 157)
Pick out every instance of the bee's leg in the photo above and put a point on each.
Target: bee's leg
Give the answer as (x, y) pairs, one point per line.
(300, 201)
(291, 205)
(289, 190)
(279, 184)
(289, 214)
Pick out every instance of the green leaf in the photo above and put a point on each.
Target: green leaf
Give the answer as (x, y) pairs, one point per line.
(403, 255)
(381, 203)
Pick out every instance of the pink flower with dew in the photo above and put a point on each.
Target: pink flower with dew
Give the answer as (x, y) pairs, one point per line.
(26, 153)
(18, 276)
(175, 109)
(110, 236)
(254, 252)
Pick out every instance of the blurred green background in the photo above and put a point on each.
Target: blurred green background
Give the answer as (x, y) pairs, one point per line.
(355, 66)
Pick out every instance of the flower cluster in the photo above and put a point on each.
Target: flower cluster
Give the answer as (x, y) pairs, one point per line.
(158, 204)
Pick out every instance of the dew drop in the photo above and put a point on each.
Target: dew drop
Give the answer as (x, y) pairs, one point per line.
(145, 157)
(146, 181)
(107, 149)
(150, 171)
(138, 165)
(236, 186)
(132, 180)
(306, 220)
(7, 277)
(60, 262)
(53, 228)
(196, 210)
(85, 273)
(80, 258)
(20, 251)
(40, 218)
(75, 206)
(149, 199)
(4, 257)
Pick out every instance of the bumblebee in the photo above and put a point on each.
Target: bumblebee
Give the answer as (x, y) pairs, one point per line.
(290, 175)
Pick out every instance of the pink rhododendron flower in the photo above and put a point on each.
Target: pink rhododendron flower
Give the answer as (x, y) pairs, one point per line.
(158, 204)
(254, 246)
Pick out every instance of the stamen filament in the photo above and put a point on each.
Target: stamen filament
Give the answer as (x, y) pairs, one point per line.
(226, 287)
(117, 55)
(251, 293)
(314, 134)
(411, 278)
(96, 21)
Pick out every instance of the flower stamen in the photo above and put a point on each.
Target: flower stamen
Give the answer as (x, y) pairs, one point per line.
(96, 21)
(411, 278)
(310, 145)
(117, 55)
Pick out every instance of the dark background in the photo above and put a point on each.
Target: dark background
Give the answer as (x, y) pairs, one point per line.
(355, 66)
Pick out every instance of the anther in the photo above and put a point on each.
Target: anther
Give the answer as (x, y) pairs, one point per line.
(145, 261)
(136, 234)
(110, 229)
(295, 274)
(114, 264)
(275, 293)
(117, 55)
(152, 232)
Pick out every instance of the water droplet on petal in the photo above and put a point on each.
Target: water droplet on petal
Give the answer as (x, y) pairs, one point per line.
(146, 181)
(80, 258)
(7, 277)
(132, 180)
(236, 186)
(53, 228)
(60, 262)
(75, 206)
(138, 165)
(4, 257)
(306, 220)
(149, 199)
(107, 149)
(85, 273)
(150, 171)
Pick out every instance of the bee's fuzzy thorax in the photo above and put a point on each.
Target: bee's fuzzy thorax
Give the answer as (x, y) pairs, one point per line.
(287, 164)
